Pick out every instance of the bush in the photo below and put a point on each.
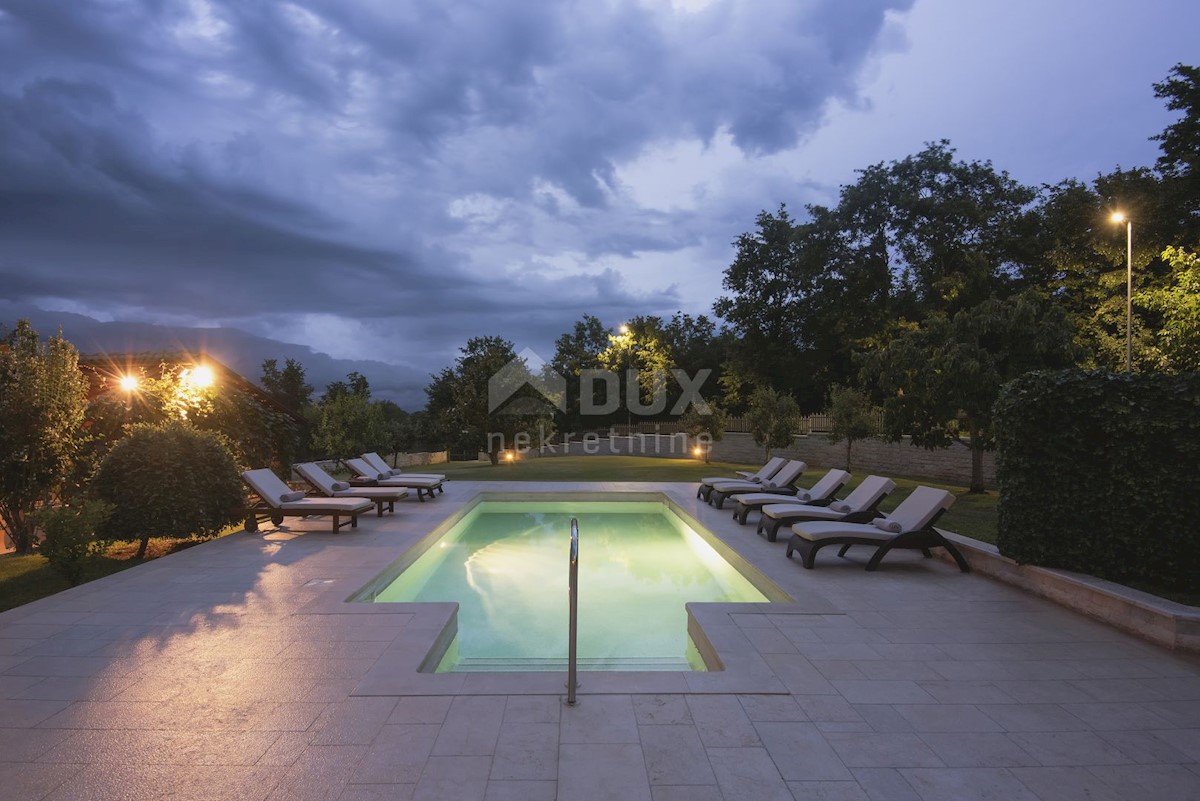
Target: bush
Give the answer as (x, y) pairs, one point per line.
(168, 481)
(69, 535)
(1097, 474)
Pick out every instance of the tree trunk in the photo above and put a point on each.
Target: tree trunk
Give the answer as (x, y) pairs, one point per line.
(977, 462)
(141, 551)
(494, 457)
(849, 445)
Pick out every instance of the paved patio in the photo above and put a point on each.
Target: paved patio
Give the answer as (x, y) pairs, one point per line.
(235, 670)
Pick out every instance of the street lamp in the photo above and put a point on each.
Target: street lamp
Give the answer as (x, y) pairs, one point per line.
(1120, 217)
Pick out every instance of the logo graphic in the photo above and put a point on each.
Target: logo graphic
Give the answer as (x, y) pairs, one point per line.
(526, 370)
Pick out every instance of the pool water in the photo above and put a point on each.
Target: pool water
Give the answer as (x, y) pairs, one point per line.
(506, 565)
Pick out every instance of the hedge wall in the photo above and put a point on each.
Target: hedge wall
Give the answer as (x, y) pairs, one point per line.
(1099, 473)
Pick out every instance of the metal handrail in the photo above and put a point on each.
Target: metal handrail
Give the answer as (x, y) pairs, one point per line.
(573, 626)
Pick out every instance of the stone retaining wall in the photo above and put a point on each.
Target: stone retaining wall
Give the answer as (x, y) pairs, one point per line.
(952, 464)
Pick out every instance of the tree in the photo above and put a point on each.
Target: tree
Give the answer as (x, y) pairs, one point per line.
(704, 428)
(852, 415)
(574, 352)
(43, 396)
(287, 387)
(1179, 304)
(69, 535)
(639, 351)
(946, 375)
(398, 430)
(345, 422)
(168, 481)
(774, 418)
(955, 225)
(1180, 141)
(470, 414)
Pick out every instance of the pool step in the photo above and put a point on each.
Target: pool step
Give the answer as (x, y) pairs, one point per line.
(516, 665)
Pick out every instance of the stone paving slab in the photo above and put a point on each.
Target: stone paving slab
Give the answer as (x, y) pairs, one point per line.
(238, 670)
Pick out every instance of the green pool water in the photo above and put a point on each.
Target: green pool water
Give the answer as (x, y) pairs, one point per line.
(505, 563)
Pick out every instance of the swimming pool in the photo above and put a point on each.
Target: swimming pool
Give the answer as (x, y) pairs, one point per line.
(505, 563)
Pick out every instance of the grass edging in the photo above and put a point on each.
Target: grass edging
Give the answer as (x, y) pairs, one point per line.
(1162, 621)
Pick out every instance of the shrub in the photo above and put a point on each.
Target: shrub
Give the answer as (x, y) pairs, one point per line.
(168, 481)
(1097, 474)
(69, 535)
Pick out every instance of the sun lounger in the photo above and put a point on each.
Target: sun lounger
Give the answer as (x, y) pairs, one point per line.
(909, 526)
(782, 483)
(279, 501)
(773, 465)
(819, 494)
(380, 465)
(367, 477)
(857, 507)
(329, 487)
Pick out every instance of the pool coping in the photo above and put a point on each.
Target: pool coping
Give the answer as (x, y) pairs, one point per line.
(406, 667)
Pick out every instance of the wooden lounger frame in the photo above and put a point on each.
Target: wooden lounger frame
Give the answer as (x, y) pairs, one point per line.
(260, 512)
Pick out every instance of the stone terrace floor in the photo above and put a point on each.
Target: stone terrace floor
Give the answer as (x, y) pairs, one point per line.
(229, 671)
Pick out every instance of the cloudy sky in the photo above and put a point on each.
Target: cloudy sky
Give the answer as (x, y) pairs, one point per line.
(364, 184)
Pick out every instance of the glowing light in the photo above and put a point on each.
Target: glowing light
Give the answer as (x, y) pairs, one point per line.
(510, 456)
(1118, 217)
(697, 451)
(129, 383)
(200, 376)
(623, 329)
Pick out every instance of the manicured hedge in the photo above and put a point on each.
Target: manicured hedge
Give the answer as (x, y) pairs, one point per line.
(168, 481)
(1099, 473)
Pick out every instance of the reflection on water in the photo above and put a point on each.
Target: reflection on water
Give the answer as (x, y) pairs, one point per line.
(506, 565)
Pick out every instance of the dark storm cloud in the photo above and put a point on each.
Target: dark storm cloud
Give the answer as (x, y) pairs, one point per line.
(229, 162)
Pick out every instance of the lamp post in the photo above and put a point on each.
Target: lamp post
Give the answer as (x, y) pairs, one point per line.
(1119, 217)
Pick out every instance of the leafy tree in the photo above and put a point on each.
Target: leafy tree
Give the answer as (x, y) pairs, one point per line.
(639, 346)
(168, 481)
(708, 426)
(43, 396)
(459, 400)
(954, 224)
(852, 416)
(946, 375)
(574, 352)
(767, 283)
(1179, 304)
(1180, 141)
(345, 422)
(69, 535)
(398, 430)
(288, 386)
(774, 418)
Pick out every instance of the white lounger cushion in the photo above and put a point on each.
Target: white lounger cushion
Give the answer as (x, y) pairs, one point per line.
(796, 509)
(821, 490)
(782, 480)
(402, 480)
(268, 487)
(828, 529)
(914, 512)
(325, 483)
(380, 465)
(340, 504)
